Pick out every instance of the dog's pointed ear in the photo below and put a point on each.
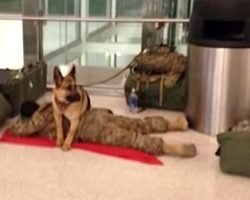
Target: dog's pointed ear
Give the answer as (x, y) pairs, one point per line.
(73, 71)
(57, 76)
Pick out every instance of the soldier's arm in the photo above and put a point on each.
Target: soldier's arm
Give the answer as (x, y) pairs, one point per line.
(34, 124)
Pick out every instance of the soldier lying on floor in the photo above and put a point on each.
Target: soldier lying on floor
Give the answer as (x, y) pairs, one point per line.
(102, 126)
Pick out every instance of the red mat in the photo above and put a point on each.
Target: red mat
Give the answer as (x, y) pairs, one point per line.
(120, 152)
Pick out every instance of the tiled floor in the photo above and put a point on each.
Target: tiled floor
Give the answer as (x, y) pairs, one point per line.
(50, 174)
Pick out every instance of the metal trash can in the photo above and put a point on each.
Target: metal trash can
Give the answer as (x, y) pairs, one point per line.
(219, 65)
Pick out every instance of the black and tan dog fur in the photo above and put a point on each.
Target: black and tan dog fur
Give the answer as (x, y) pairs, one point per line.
(70, 101)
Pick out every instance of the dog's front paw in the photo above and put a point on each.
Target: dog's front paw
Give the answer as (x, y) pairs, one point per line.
(59, 142)
(66, 146)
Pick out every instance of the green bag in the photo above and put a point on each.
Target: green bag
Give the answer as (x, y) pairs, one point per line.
(5, 108)
(158, 76)
(235, 152)
(154, 95)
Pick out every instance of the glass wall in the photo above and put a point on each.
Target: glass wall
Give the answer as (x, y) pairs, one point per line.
(57, 36)
(102, 36)
(10, 6)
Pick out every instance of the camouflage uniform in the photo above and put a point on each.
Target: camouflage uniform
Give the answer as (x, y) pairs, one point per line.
(102, 126)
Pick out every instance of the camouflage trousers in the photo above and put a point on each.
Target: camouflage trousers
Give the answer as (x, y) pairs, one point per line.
(101, 126)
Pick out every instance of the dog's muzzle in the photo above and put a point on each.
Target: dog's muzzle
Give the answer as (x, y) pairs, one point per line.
(73, 97)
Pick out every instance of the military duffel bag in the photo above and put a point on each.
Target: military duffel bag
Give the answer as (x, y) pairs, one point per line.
(29, 83)
(235, 152)
(158, 76)
(5, 109)
(160, 59)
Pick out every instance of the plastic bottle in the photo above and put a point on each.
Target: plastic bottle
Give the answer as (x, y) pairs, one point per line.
(133, 101)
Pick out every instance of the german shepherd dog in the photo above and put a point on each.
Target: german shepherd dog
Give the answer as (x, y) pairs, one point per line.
(70, 101)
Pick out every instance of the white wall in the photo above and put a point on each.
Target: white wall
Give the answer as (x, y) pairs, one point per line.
(11, 44)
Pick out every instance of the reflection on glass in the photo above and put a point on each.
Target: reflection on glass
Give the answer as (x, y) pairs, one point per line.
(59, 7)
(10, 6)
(106, 44)
(57, 36)
(112, 45)
(98, 8)
(130, 8)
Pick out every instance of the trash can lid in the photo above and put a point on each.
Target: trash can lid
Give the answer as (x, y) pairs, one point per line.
(221, 9)
(224, 23)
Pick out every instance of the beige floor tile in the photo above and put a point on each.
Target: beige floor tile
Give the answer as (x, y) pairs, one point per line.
(50, 174)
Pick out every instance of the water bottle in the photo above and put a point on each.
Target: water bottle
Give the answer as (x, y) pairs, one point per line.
(133, 101)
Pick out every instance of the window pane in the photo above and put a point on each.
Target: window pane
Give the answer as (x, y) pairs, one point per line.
(98, 8)
(103, 45)
(58, 36)
(10, 6)
(128, 8)
(56, 7)
(61, 7)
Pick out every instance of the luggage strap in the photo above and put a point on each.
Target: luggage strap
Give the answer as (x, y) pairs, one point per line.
(167, 80)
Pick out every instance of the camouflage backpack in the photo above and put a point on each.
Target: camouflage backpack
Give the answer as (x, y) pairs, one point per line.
(158, 75)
